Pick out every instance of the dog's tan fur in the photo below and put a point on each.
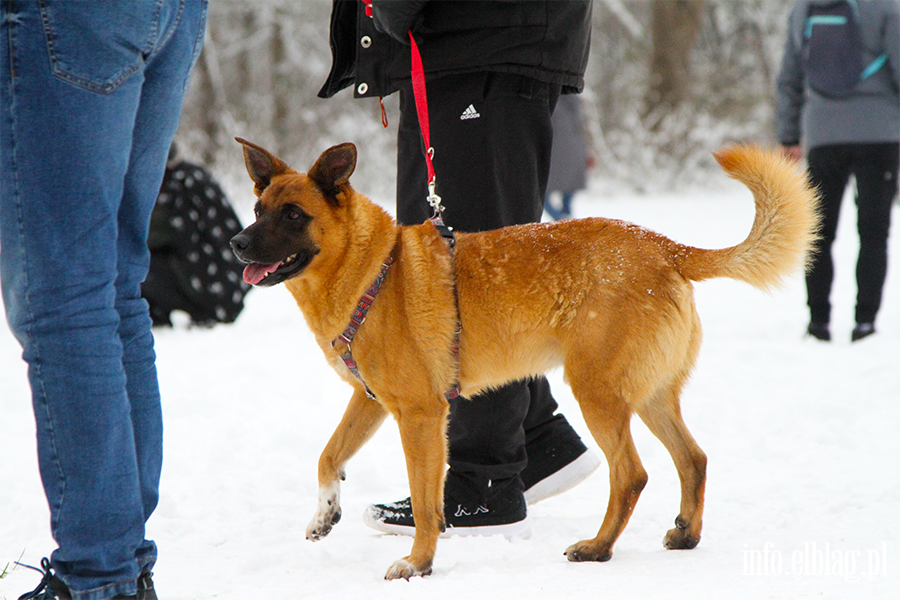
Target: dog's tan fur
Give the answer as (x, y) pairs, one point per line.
(609, 301)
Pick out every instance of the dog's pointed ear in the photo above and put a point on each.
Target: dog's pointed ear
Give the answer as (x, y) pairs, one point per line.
(334, 168)
(261, 165)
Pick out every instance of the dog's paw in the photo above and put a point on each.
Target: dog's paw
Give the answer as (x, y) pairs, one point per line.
(328, 513)
(586, 551)
(679, 538)
(321, 525)
(405, 569)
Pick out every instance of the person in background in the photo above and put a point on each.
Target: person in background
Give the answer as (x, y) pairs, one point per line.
(569, 160)
(848, 128)
(192, 267)
(91, 95)
(494, 73)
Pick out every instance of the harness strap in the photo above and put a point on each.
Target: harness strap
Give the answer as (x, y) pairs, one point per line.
(362, 309)
(357, 319)
(447, 234)
(874, 66)
(365, 303)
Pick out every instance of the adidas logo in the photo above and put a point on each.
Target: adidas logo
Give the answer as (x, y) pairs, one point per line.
(469, 113)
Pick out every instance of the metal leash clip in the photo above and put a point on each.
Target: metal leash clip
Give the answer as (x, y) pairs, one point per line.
(434, 200)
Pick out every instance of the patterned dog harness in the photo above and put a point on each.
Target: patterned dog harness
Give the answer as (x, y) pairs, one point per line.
(365, 303)
(357, 319)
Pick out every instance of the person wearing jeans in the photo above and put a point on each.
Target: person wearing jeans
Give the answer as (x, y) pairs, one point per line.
(91, 98)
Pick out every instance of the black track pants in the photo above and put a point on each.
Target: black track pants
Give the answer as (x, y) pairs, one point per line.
(492, 136)
(875, 167)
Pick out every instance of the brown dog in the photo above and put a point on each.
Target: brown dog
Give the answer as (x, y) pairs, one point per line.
(609, 301)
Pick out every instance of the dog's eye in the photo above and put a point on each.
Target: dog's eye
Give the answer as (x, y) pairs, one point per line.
(293, 213)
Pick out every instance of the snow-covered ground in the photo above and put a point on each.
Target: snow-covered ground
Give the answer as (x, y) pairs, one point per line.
(802, 500)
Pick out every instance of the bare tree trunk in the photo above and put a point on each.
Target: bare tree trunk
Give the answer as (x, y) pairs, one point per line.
(675, 27)
(281, 101)
(217, 121)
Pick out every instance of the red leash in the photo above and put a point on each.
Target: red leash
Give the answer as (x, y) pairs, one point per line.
(418, 84)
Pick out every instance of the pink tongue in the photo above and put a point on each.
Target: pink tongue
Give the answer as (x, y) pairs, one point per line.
(255, 273)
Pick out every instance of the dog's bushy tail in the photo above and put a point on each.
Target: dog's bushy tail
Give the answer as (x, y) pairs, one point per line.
(783, 231)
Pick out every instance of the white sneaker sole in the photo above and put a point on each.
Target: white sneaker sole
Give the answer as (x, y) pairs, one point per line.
(520, 529)
(565, 479)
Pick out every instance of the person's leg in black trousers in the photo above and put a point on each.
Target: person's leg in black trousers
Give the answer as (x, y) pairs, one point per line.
(491, 167)
(875, 166)
(829, 170)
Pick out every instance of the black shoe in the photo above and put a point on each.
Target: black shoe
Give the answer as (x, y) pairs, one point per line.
(501, 509)
(145, 589)
(819, 331)
(556, 469)
(41, 592)
(52, 587)
(862, 330)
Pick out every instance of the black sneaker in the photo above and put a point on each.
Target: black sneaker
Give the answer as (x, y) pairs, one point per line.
(52, 587)
(145, 589)
(861, 331)
(819, 331)
(557, 469)
(501, 510)
(42, 591)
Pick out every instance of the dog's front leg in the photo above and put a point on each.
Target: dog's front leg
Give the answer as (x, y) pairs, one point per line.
(361, 420)
(424, 439)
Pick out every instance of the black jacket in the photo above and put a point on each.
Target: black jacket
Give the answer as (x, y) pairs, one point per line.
(191, 266)
(547, 40)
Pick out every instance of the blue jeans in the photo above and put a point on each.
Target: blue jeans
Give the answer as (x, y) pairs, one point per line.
(91, 98)
(565, 209)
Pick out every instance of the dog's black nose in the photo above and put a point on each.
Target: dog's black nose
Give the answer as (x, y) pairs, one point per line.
(239, 245)
(240, 242)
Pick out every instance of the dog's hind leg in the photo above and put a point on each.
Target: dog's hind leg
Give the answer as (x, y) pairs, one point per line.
(361, 420)
(662, 415)
(423, 435)
(609, 418)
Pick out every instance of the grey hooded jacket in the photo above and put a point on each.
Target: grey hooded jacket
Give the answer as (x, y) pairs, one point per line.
(871, 114)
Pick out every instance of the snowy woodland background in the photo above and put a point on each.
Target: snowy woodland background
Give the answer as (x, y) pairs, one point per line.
(667, 82)
(803, 493)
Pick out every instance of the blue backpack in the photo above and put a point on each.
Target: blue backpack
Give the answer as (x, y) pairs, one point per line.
(833, 49)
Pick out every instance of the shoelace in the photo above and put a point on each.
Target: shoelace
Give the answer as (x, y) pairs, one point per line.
(42, 591)
(144, 583)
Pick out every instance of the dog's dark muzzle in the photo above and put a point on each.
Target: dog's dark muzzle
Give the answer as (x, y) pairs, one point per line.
(239, 245)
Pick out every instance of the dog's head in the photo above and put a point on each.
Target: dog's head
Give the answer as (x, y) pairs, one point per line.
(285, 238)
